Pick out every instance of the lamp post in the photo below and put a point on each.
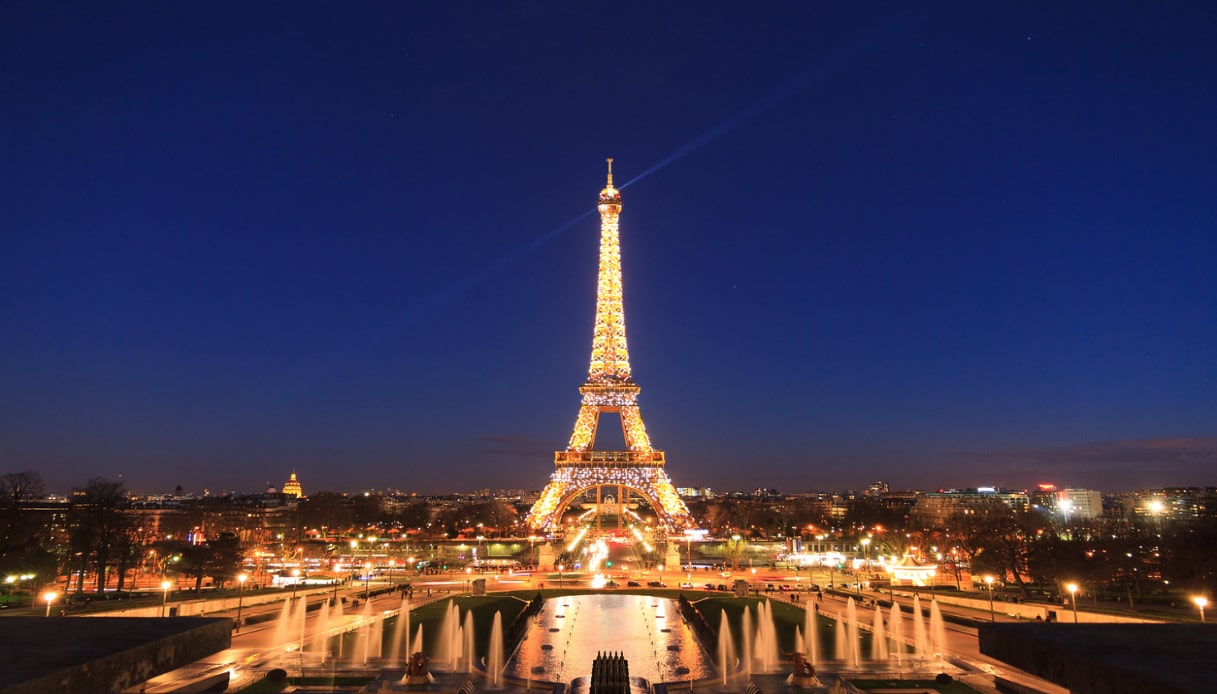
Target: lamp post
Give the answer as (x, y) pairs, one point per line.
(989, 583)
(754, 579)
(1201, 602)
(165, 586)
(295, 582)
(1073, 595)
(392, 564)
(865, 558)
(367, 582)
(560, 568)
(240, 598)
(49, 596)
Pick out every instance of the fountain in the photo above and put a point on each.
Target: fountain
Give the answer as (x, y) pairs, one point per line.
(748, 641)
(853, 644)
(878, 638)
(402, 628)
(494, 661)
(448, 647)
(921, 645)
(938, 631)
(840, 649)
(767, 650)
(300, 617)
(320, 629)
(897, 622)
(467, 632)
(279, 635)
(726, 649)
(811, 637)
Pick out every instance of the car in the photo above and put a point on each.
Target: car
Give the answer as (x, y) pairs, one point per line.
(633, 584)
(722, 587)
(769, 588)
(709, 586)
(784, 588)
(655, 584)
(610, 584)
(813, 587)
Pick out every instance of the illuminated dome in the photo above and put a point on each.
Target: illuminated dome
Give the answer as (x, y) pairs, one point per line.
(292, 486)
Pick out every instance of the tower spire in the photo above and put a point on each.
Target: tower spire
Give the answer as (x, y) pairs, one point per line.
(610, 172)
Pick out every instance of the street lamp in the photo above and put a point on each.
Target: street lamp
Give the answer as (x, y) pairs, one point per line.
(865, 544)
(165, 586)
(392, 564)
(560, 568)
(989, 583)
(367, 583)
(1201, 602)
(1073, 595)
(295, 582)
(49, 596)
(240, 598)
(468, 579)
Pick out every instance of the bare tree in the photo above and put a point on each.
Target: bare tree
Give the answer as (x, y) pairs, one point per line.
(23, 545)
(98, 525)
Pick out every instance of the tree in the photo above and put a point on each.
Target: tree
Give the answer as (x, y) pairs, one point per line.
(733, 549)
(97, 525)
(22, 543)
(224, 558)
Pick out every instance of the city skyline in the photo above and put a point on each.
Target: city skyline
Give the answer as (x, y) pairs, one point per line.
(960, 244)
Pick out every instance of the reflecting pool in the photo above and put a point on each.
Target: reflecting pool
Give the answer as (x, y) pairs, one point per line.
(648, 631)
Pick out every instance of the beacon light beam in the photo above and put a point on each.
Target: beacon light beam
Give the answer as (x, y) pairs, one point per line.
(832, 65)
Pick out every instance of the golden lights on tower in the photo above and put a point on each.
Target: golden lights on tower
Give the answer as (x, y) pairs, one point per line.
(609, 388)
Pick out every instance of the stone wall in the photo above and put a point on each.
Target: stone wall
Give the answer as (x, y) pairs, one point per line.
(103, 655)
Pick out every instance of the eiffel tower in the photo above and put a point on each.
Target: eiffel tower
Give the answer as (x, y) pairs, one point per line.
(609, 389)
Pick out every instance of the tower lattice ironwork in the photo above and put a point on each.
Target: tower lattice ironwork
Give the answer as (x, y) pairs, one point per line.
(609, 389)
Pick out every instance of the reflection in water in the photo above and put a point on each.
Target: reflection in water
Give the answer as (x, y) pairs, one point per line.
(647, 631)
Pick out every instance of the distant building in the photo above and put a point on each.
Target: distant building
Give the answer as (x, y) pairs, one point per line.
(877, 489)
(933, 509)
(1171, 503)
(292, 486)
(1075, 504)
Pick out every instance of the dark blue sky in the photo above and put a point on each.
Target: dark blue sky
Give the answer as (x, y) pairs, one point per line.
(941, 246)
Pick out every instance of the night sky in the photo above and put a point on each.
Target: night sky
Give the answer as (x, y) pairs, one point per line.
(943, 244)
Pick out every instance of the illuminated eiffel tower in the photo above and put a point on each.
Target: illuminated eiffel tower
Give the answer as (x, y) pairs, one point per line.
(609, 388)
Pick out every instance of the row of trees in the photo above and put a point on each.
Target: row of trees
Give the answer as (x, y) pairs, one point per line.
(96, 537)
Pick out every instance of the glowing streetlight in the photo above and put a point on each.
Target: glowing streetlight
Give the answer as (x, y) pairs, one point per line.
(560, 569)
(865, 544)
(1073, 595)
(1201, 602)
(367, 584)
(392, 564)
(240, 598)
(295, 582)
(165, 586)
(49, 596)
(989, 583)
